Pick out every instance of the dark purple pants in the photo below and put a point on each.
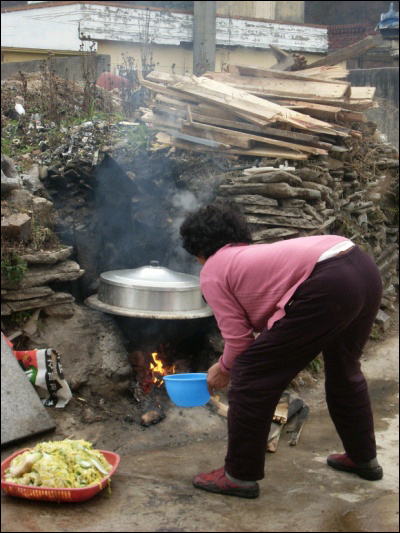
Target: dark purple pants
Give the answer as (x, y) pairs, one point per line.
(331, 312)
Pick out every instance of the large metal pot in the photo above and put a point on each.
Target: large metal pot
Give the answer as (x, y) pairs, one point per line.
(150, 292)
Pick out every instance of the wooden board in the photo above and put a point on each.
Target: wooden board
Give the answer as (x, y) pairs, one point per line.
(243, 70)
(356, 49)
(333, 72)
(281, 87)
(291, 136)
(264, 151)
(248, 136)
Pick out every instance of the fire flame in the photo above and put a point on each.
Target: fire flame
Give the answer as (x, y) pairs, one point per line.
(157, 370)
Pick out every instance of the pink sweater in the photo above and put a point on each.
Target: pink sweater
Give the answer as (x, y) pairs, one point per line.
(248, 286)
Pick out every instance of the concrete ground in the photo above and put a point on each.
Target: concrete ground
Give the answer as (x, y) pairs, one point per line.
(152, 489)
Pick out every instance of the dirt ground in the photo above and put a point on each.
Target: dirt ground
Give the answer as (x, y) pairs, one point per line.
(152, 489)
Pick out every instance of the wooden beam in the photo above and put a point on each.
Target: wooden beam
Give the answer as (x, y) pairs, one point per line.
(243, 70)
(283, 87)
(280, 54)
(356, 49)
(235, 136)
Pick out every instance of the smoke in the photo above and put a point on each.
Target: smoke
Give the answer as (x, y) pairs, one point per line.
(183, 202)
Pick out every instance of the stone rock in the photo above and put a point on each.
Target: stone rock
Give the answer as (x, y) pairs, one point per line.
(22, 412)
(5, 310)
(41, 275)
(41, 206)
(31, 180)
(10, 179)
(36, 303)
(26, 294)
(43, 171)
(48, 258)
(17, 226)
(60, 310)
(383, 320)
(92, 348)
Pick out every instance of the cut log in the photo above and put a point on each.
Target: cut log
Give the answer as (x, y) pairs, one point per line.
(356, 49)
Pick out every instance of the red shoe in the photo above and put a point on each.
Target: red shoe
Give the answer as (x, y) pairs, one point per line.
(217, 482)
(340, 461)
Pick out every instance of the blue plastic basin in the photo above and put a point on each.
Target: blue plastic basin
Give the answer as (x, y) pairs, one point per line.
(187, 390)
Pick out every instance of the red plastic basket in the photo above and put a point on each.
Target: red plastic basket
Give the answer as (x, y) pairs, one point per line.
(56, 495)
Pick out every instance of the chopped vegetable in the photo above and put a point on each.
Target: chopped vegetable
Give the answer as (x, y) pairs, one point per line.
(59, 464)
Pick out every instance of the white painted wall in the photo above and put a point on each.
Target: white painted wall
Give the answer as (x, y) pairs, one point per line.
(47, 28)
(58, 28)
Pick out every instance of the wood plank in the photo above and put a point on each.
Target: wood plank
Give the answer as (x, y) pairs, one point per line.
(356, 49)
(243, 70)
(164, 138)
(273, 132)
(257, 138)
(281, 87)
(279, 54)
(286, 64)
(224, 136)
(333, 72)
(173, 101)
(362, 93)
(325, 111)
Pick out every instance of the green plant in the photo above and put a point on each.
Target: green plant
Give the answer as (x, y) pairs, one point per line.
(375, 334)
(13, 267)
(316, 366)
(139, 138)
(21, 317)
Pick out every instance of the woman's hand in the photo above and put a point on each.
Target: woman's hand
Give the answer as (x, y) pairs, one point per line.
(216, 379)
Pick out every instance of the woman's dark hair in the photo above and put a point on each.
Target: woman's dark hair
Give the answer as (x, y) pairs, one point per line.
(208, 229)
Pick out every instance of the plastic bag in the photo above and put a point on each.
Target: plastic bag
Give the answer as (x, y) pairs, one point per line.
(44, 370)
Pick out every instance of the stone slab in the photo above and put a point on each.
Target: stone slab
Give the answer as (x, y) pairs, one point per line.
(22, 412)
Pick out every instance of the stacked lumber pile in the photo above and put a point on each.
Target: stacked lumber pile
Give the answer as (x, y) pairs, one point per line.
(290, 110)
(276, 116)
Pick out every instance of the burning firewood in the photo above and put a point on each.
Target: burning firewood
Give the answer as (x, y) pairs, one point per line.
(152, 417)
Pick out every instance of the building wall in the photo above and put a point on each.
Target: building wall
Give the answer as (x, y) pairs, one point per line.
(12, 55)
(64, 67)
(290, 11)
(262, 10)
(180, 59)
(25, 33)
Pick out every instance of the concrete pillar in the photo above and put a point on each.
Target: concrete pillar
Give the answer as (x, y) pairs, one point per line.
(205, 15)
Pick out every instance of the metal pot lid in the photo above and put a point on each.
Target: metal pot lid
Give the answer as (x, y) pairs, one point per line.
(151, 277)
